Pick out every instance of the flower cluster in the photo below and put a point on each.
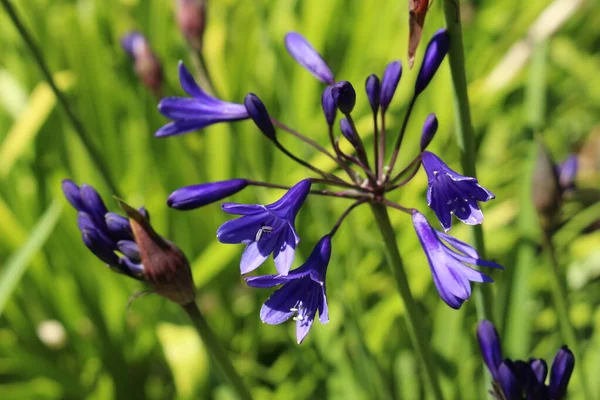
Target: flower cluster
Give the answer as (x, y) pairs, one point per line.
(517, 380)
(129, 245)
(270, 229)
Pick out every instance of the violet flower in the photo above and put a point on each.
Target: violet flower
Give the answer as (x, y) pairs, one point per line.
(195, 196)
(302, 293)
(146, 64)
(195, 112)
(308, 57)
(450, 193)
(266, 229)
(451, 275)
(520, 380)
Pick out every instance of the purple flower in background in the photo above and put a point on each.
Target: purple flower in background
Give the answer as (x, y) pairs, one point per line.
(302, 293)
(520, 380)
(450, 193)
(190, 197)
(567, 171)
(307, 56)
(451, 275)
(196, 112)
(266, 229)
(146, 64)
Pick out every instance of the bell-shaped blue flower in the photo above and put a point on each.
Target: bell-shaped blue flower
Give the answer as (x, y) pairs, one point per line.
(450, 193)
(451, 275)
(307, 56)
(266, 229)
(302, 293)
(195, 112)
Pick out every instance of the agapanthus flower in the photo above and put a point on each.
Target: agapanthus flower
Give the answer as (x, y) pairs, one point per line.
(270, 229)
(146, 64)
(447, 258)
(195, 112)
(450, 193)
(523, 380)
(567, 171)
(266, 229)
(302, 293)
(130, 246)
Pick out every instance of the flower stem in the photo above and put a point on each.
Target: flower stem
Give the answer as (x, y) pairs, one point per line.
(559, 296)
(398, 143)
(465, 138)
(412, 314)
(77, 125)
(218, 354)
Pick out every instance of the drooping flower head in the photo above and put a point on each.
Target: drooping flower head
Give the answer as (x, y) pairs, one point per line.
(523, 380)
(195, 112)
(450, 193)
(146, 64)
(302, 293)
(130, 246)
(451, 275)
(266, 229)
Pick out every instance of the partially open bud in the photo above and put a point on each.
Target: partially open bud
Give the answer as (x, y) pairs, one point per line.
(259, 114)
(146, 64)
(430, 127)
(191, 18)
(166, 268)
(344, 96)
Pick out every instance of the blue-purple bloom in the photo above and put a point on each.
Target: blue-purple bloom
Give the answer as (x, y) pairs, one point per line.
(302, 294)
(389, 83)
(447, 262)
(266, 229)
(567, 171)
(195, 112)
(437, 48)
(450, 193)
(430, 127)
(521, 380)
(101, 231)
(191, 197)
(307, 56)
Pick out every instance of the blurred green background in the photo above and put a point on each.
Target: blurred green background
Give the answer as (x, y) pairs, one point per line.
(65, 329)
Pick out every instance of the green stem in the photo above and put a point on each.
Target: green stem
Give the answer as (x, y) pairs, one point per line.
(413, 316)
(218, 354)
(559, 296)
(77, 125)
(465, 136)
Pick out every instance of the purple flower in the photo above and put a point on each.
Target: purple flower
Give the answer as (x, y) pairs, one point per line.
(197, 112)
(329, 106)
(190, 197)
(437, 48)
(451, 193)
(509, 381)
(307, 56)
(560, 374)
(259, 114)
(389, 83)
(447, 262)
(344, 96)
(489, 343)
(266, 229)
(302, 292)
(567, 171)
(146, 64)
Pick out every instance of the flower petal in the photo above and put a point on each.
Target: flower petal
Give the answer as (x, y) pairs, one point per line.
(284, 251)
(277, 308)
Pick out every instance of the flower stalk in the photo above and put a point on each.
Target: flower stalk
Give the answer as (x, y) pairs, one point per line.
(77, 125)
(217, 353)
(413, 320)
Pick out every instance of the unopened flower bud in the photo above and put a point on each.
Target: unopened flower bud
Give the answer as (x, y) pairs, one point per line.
(344, 96)
(349, 133)
(190, 197)
(434, 55)
(146, 64)
(373, 88)
(259, 114)
(389, 83)
(329, 107)
(429, 129)
(560, 374)
(166, 268)
(567, 172)
(191, 18)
